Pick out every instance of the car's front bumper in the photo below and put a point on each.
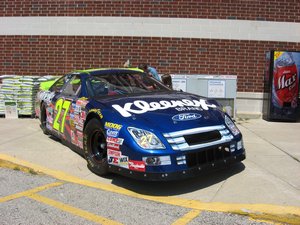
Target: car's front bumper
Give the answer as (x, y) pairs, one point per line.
(180, 174)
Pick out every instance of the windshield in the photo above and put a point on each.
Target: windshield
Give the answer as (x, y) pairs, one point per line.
(123, 83)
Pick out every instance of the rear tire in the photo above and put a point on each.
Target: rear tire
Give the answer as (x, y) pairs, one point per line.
(94, 146)
(43, 119)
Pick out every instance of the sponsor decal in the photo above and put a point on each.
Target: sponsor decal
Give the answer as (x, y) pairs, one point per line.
(113, 146)
(72, 124)
(109, 125)
(113, 160)
(83, 115)
(50, 109)
(76, 118)
(78, 122)
(186, 117)
(137, 165)
(46, 96)
(121, 161)
(140, 107)
(115, 140)
(113, 129)
(79, 127)
(112, 133)
(79, 135)
(73, 138)
(73, 105)
(98, 111)
(77, 109)
(82, 102)
(50, 119)
(113, 153)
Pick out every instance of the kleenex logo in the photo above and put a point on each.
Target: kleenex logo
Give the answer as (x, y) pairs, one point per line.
(140, 106)
(186, 116)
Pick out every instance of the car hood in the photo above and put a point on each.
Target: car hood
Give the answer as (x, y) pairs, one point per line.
(166, 112)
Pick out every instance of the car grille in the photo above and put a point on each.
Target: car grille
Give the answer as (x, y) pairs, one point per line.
(205, 145)
(198, 138)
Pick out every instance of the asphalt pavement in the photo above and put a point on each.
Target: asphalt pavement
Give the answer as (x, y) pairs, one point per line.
(39, 199)
(265, 186)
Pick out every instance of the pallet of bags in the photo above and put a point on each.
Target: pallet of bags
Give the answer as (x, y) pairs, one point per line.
(21, 89)
(10, 85)
(29, 86)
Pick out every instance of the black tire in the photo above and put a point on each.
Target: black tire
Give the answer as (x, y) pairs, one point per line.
(43, 119)
(94, 146)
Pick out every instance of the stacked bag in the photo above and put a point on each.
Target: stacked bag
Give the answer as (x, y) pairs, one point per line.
(22, 90)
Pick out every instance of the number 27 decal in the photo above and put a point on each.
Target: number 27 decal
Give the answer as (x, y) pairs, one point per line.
(61, 104)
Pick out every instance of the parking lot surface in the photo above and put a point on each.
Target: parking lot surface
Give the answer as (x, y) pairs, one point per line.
(265, 186)
(39, 199)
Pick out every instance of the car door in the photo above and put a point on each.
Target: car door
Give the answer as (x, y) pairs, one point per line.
(65, 106)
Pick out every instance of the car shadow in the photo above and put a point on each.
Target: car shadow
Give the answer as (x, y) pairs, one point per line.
(171, 188)
(168, 188)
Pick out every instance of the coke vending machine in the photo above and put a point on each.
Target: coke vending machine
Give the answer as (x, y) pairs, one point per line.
(281, 86)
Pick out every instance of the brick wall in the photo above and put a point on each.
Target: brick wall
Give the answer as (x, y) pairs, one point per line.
(270, 10)
(58, 55)
(41, 55)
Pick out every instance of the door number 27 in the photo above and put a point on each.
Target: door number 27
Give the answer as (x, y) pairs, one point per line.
(65, 105)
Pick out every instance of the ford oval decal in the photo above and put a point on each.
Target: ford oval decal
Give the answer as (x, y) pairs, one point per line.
(186, 116)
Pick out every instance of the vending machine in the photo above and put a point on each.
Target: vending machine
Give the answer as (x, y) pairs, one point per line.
(281, 86)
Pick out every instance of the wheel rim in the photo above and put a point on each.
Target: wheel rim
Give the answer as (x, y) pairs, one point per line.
(98, 146)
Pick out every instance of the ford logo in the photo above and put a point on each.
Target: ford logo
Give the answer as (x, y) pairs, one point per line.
(186, 116)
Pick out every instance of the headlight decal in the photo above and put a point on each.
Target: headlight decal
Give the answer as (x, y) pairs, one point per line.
(145, 139)
(240, 144)
(232, 127)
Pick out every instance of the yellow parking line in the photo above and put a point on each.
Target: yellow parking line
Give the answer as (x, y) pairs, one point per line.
(263, 221)
(187, 217)
(75, 211)
(276, 213)
(29, 192)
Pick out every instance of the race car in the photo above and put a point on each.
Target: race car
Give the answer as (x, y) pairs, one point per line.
(123, 121)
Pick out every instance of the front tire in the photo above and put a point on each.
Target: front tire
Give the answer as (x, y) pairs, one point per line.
(94, 146)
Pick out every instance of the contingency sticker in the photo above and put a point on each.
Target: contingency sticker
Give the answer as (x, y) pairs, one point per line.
(113, 146)
(113, 153)
(121, 161)
(112, 129)
(137, 165)
(115, 140)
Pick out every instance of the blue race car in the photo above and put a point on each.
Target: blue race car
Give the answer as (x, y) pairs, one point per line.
(124, 121)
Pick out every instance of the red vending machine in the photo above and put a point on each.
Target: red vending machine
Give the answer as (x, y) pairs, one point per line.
(281, 86)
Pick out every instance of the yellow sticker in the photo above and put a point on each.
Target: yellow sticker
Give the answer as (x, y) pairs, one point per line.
(277, 54)
(115, 126)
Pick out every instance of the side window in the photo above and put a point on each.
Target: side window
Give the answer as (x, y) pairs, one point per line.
(73, 87)
(58, 85)
(98, 87)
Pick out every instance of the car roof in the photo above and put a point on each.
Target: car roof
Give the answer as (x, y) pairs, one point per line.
(108, 71)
